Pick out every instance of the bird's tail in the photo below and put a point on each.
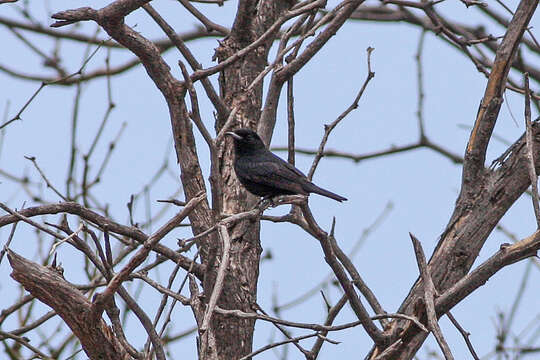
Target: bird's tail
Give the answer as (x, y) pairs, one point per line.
(310, 187)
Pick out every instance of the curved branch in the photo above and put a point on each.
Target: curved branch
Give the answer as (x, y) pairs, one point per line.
(49, 286)
(162, 45)
(106, 224)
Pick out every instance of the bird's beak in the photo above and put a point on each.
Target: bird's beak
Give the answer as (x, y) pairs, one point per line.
(234, 135)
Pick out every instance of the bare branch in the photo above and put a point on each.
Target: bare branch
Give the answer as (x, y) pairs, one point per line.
(43, 84)
(508, 254)
(6, 247)
(100, 221)
(210, 25)
(330, 257)
(429, 296)
(95, 336)
(178, 41)
(530, 153)
(49, 185)
(141, 255)
(22, 340)
(273, 345)
(491, 102)
(263, 38)
(216, 292)
(328, 128)
(463, 333)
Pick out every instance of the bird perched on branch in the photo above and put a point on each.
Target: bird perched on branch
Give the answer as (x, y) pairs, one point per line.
(265, 174)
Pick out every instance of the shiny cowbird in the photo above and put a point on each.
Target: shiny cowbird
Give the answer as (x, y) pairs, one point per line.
(265, 174)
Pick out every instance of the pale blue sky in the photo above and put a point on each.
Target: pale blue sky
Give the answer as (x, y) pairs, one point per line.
(421, 184)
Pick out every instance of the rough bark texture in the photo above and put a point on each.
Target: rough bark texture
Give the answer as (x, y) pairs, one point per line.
(466, 233)
(232, 337)
(48, 285)
(229, 259)
(486, 195)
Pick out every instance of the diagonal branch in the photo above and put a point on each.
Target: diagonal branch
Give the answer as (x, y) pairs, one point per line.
(507, 255)
(475, 154)
(46, 284)
(328, 128)
(329, 255)
(142, 254)
(199, 74)
(429, 296)
(103, 223)
(111, 19)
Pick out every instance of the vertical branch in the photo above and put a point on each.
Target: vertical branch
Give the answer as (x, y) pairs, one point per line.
(73, 143)
(207, 341)
(216, 292)
(475, 154)
(530, 153)
(290, 121)
(429, 296)
(420, 80)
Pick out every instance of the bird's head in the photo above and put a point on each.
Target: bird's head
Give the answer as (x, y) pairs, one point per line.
(246, 140)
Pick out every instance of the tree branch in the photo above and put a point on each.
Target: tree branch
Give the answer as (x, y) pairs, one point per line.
(475, 154)
(46, 284)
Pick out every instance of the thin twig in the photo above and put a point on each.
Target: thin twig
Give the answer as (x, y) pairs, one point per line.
(56, 244)
(331, 126)
(49, 184)
(273, 345)
(351, 254)
(315, 327)
(530, 151)
(218, 103)
(25, 342)
(463, 333)
(330, 257)
(228, 123)
(333, 312)
(429, 296)
(142, 254)
(203, 73)
(168, 318)
(285, 333)
(45, 83)
(8, 242)
(209, 24)
(420, 80)
(195, 114)
(216, 292)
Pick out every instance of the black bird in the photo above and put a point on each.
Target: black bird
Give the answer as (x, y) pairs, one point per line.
(265, 174)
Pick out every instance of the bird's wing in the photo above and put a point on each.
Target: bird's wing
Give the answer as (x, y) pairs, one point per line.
(270, 170)
(289, 166)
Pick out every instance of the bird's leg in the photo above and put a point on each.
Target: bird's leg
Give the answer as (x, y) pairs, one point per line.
(270, 199)
(260, 203)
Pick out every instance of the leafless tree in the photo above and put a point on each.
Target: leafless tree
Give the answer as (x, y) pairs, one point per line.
(220, 262)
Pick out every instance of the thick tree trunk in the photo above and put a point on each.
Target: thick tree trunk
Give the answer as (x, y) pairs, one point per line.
(229, 337)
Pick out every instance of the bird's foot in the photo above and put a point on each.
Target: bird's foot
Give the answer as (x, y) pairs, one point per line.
(266, 201)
